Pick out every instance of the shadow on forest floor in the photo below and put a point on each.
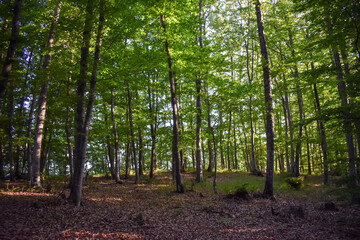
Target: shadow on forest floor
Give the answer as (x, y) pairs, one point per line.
(152, 210)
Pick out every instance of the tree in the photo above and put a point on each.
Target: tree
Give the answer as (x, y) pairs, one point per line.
(41, 112)
(269, 182)
(174, 104)
(82, 121)
(10, 56)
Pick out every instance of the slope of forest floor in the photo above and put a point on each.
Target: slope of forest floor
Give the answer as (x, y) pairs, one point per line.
(152, 210)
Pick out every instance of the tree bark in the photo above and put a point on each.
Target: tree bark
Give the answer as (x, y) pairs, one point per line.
(296, 170)
(345, 113)
(82, 120)
(322, 132)
(11, 52)
(11, 132)
(41, 112)
(212, 150)
(116, 138)
(153, 134)
(344, 104)
(69, 148)
(221, 139)
(137, 177)
(199, 172)
(228, 143)
(175, 145)
(269, 182)
(141, 155)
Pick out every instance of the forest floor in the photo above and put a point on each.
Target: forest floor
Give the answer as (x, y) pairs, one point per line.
(152, 210)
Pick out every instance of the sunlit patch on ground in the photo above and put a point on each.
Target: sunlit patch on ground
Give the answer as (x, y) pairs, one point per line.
(27, 194)
(90, 235)
(105, 199)
(243, 230)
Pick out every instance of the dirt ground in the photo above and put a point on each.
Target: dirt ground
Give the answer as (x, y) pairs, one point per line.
(155, 211)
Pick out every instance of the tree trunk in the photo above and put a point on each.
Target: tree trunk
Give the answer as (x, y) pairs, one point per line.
(296, 171)
(246, 151)
(322, 132)
(288, 167)
(290, 122)
(212, 150)
(228, 144)
(199, 173)
(110, 150)
(46, 148)
(82, 121)
(29, 130)
(269, 182)
(2, 175)
(41, 113)
(127, 161)
(141, 156)
(137, 177)
(68, 133)
(116, 139)
(250, 79)
(345, 114)
(175, 145)
(344, 104)
(221, 139)
(153, 134)
(11, 132)
(235, 148)
(11, 52)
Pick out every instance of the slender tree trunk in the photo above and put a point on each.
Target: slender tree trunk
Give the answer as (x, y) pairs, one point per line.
(322, 132)
(29, 130)
(2, 175)
(109, 146)
(250, 79)
(68, 133)
(175, 145)
(248, 164)
(289, 117)
(116, 138)
(19, 131)
(228, 143)
(141, 156)
(296, 171)
(346, 114)
(199, 173)
(41, 113)
(269, 182)
(82, 120)
(344, 104)
(288, 167)
(11, 52)
(221, 140)
(211, 130)
(11, 132)
(153, 135)
(235, 148)
(46, 148)
(137, 177)
(127, 161)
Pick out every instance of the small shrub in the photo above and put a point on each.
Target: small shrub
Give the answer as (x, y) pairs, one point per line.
(295, 182)
(241, 193)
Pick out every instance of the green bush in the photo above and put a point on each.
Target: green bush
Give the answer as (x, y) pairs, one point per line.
(241, 192)
(295, 182)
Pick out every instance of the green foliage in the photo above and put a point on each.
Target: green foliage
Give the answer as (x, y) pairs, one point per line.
(295, 182)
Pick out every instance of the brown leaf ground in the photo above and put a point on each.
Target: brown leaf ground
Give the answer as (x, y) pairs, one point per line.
(154, 211)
